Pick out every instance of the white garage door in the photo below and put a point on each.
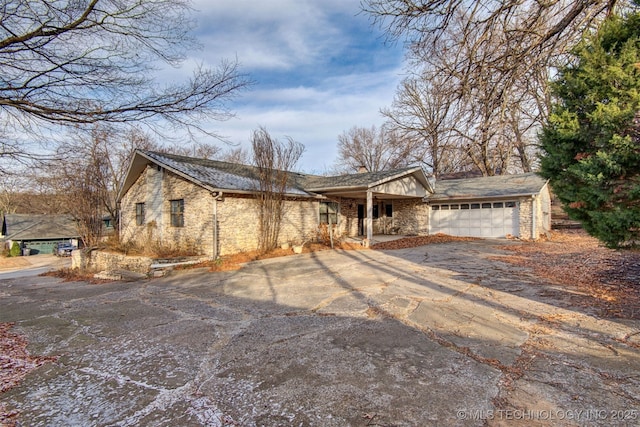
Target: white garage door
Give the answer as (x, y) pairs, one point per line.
(475, 219)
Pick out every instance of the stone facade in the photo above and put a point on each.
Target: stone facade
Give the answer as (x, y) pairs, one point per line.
(411, 216)
(156, 189)
(238, 227)
(535, 216)
(222, 224)
(214, 224)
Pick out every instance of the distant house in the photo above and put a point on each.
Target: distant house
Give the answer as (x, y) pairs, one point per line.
(39, 233)
(178, 200)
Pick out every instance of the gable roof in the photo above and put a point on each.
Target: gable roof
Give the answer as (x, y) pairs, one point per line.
(362, 181)
(211, 174)
(497, 186)
(38, 227)
(233, 177)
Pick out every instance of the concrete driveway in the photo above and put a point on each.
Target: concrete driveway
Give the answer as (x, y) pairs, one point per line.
(438, 335)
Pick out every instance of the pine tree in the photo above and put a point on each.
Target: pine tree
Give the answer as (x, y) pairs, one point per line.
(591, 142)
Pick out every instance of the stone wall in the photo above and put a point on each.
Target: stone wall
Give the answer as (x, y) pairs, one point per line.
(542, 205)
(197, 232)
(107, 261)
(238, 225)
(411, 216)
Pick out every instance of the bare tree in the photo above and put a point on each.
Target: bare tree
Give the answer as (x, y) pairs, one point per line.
(274, 161)
(491, 60)
(234, 155)
(424, 112)
(372, 148)
(65, 62)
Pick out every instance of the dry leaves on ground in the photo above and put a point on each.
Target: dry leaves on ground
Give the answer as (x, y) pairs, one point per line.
(609, 279)
(15, 364)
(410, 242)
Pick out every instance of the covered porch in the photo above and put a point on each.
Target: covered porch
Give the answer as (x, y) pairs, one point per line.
(378, 203)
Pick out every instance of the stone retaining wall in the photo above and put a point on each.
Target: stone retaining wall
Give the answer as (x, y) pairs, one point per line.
(101, 261)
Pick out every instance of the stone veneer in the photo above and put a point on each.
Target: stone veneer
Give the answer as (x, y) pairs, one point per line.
(238, 228)
(222, 224)
(542, 205)
(198, 212)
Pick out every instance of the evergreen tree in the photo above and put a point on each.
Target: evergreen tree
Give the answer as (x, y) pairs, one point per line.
(591, 142)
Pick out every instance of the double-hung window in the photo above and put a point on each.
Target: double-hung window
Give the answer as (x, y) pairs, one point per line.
(177, 213)
(140, 211)
(328, 213)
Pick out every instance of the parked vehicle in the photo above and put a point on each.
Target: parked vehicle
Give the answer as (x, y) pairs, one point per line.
(64, 249)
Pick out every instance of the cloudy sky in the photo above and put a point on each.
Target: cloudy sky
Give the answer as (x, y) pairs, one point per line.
(319, 69)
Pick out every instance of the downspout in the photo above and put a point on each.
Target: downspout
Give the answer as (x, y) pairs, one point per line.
(216, 197)
(534, 208)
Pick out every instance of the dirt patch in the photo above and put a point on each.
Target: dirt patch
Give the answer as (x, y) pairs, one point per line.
(13, 262)
(607, 279)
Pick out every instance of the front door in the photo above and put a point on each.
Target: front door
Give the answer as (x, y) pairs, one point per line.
(360, 220)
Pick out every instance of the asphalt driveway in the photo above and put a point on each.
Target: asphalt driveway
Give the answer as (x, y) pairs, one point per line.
(435, 335)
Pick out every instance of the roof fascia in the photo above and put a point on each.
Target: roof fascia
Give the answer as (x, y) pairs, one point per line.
(472, 197)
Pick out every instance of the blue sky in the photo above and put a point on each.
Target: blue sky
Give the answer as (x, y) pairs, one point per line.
(319, 69)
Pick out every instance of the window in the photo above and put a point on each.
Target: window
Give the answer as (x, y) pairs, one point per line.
(509, 204)
(388, 211)
(376, 213)
(328, 212)
(139, 213)
(464, 206)
(177, 213)
(486, 206)
(475, 205)
(435, 207)
(498, 205)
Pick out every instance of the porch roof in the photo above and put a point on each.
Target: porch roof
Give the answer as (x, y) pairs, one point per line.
(410, 182)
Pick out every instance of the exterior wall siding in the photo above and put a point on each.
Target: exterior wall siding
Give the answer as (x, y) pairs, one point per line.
(236, 217)
(129, 231)
(411, 216)
(238, 227)
(542, 206)
(526, 223)
(156, 189)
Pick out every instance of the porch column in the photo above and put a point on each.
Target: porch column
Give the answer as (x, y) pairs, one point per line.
(369, 221)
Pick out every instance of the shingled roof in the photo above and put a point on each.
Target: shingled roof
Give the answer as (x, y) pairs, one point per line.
(38, 227)
(211, 174)
(233, 177)
(489, 187)
(357, 180)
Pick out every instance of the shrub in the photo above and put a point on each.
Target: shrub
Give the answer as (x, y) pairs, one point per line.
(15, 249)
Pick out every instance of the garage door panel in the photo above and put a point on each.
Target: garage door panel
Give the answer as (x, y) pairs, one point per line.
(477, 219)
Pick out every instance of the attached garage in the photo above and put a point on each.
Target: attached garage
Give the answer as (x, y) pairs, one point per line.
(491, 207)
(476, 219)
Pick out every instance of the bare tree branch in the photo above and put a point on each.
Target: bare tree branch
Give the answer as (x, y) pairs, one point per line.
(79, 62)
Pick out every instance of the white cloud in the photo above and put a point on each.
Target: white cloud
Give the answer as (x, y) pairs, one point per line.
(275, 34)
(318, 68)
